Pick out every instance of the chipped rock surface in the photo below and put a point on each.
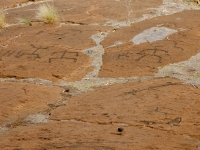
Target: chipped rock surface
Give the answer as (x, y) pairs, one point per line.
(109, 75)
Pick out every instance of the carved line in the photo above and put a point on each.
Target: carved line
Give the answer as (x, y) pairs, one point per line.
(63, 56)
(34, 55)
(153, 54)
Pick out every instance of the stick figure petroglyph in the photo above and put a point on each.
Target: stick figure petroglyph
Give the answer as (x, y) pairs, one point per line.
(63, 56)
(8, 53)
(36, 54)
(124, 54)
(146, 53)
(18, 54)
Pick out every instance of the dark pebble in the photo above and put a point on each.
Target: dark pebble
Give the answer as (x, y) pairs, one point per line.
(67, 90)
(120, 129)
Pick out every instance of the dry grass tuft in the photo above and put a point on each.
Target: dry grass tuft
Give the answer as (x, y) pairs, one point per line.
(2, 19)
(196, 1)
(47, 13)
(193, 2)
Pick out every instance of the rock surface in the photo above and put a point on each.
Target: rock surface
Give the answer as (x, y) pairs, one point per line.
(107, 76)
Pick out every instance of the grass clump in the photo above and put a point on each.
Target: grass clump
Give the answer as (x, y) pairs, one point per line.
(47, 13)
(196, 1)
(2, 19)
(192, 2)
(25, 21)
(196, 75)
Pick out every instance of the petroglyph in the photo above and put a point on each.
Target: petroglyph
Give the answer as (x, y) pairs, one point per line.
(69, 80)
(38, 53)
(63, 56)
(146, 53)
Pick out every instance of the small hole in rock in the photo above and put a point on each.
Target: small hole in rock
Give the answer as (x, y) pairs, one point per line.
(67, 90)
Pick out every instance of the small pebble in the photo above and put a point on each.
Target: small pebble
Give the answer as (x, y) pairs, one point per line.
(67, 90)
(120, 129)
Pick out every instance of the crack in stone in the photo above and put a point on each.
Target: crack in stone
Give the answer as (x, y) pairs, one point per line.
(182, 71)
(113, 123)
(73, 22)
(83, 85)
(133, 92)
(96, 53)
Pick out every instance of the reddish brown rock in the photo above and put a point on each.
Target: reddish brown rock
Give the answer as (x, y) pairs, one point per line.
(84, 136)
(147, 111)
(179, 21)
(99, 11)
(45, 62)
(18, 100)
(156, 101)
(129, 59)
(86, 12)
(47, 52)
(154, 113)
(11, 3)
